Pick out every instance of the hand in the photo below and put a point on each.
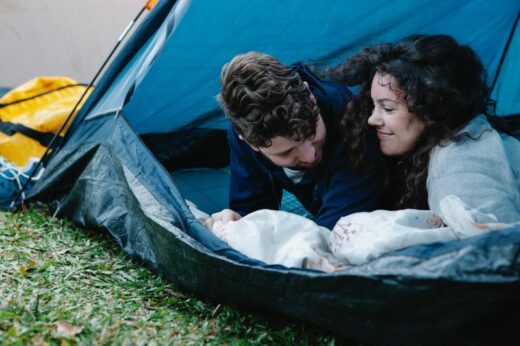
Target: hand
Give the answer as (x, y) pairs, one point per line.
(225, 216)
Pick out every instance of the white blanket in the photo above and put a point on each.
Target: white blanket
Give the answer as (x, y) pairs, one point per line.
(278, 237)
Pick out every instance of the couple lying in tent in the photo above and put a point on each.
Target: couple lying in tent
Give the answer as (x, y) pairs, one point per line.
(414, 157)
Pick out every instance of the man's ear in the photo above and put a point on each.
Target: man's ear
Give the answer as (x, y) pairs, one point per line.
(255, 148)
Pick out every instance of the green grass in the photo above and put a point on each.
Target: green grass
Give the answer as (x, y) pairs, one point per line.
(60, 285)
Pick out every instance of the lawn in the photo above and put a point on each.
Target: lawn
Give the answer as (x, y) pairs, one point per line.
(60, 285)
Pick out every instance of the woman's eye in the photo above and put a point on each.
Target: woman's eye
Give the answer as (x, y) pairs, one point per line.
(388, 110)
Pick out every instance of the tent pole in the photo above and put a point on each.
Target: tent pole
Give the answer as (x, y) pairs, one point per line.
(504, 53)
(148, 6)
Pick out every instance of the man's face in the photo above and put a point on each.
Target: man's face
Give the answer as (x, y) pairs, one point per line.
(302, 154)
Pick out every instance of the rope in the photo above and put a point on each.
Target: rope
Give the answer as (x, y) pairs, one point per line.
(20, 175)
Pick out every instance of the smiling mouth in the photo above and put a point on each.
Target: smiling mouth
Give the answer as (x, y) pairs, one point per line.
(381, 134)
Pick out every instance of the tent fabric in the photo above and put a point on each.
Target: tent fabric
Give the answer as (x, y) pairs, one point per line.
(322, 34)
(507, 93)
(319, 33)
(165, 79)
(131, 51)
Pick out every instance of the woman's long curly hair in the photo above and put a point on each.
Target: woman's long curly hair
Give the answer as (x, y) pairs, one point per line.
(444, 84)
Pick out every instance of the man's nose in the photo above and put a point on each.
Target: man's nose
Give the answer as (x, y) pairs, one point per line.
(308, 152)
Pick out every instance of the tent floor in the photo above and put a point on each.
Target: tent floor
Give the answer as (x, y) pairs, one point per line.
(208, 189)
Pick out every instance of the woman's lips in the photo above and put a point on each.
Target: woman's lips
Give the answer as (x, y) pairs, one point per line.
(383, 135)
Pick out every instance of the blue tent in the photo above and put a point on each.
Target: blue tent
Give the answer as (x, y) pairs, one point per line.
(179, 69)
(164, 81)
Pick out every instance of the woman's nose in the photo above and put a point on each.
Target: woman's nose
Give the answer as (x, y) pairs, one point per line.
(375, 119)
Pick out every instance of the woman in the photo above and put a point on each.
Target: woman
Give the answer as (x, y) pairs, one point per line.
(426, 100)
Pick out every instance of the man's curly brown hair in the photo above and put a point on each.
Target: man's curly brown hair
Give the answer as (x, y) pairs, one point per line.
(264, 99)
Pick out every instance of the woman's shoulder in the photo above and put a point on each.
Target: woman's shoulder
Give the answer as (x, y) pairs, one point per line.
(481, 150)
(477, 127)
(482, 168)
(478, 140)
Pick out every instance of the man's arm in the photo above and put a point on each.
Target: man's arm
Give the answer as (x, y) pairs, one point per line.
(349, 192)
(251, 188)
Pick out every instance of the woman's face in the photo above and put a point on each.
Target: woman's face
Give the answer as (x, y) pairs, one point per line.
(397, 129)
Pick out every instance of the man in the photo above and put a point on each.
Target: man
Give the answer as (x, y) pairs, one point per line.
(285, 134)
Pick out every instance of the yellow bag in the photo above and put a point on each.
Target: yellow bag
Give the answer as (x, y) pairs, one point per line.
(37, 108)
